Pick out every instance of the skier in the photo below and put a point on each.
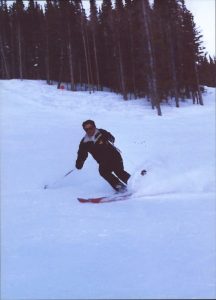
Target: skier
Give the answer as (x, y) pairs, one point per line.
(100, 144)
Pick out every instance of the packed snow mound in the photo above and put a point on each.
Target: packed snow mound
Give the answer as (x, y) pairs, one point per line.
(40, 93)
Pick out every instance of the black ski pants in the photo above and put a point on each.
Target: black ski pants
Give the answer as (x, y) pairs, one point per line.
(119, 176)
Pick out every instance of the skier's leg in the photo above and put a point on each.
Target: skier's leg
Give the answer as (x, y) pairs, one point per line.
(121, 173)
(109, 177)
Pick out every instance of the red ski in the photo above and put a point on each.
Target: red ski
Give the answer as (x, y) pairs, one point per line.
(117, 197)
(105, 199)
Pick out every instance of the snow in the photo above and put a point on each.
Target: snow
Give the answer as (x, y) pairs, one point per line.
(161, 243)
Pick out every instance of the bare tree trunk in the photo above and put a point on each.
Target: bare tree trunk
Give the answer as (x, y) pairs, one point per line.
(173, 67)
(61, 67)
(153, 81)
(132, 54)
(70, 60)
(150, 88)
(71, 66)
(37, 73)
(96, 62)
(4, 60)
(12, 56)
(80, 74)
(85, 50)
(200, 99)
(20, 51)
(121, 67)
(47, 58)
(89, 60)
(86, 58)
(122, 80)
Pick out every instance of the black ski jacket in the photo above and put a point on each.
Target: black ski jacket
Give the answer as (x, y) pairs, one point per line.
(100, 147)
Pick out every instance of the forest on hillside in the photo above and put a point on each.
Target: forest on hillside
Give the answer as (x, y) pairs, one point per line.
(130, 47)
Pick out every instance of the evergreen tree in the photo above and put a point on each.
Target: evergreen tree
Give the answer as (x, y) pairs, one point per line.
(207, 71)
(94, 24)
(138, 49)
(18, 16)
(121, 46)
(192, 50)
(131, 70)
(152, 79)
(167, 24)
(85, 39)
(108, 51)
(34, 41)
(53, 41)
(5, 47)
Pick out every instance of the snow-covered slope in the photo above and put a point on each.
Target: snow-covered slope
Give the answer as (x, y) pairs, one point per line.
(159, 244)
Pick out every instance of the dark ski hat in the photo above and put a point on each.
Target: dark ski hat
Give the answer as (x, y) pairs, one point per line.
(88, 122)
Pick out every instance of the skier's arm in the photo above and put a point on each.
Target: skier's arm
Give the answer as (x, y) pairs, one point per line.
(108, 136)
(82, 154)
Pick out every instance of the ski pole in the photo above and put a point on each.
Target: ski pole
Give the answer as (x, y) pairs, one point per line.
(46, 185)
(69, 172)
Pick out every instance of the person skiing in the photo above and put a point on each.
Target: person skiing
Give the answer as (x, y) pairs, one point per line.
(100, 144)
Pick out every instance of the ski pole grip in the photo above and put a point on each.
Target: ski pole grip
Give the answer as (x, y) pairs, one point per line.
(143, 172)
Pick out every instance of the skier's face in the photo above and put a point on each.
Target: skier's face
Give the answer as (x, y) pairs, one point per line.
(89, 129)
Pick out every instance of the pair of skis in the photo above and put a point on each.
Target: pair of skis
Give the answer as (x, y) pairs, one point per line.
(117, 197)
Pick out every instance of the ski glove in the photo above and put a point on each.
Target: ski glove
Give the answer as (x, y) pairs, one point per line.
(79, 164)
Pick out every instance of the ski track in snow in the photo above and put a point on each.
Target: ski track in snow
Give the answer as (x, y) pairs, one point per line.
(160, 243)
